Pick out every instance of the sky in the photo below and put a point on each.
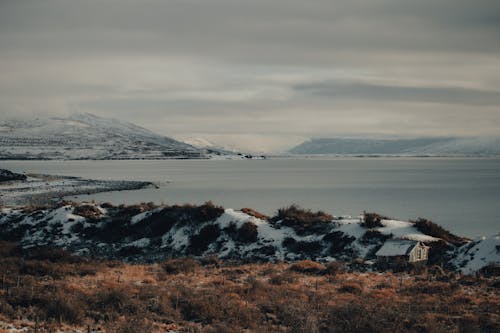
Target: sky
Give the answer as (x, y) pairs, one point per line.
(257, 75)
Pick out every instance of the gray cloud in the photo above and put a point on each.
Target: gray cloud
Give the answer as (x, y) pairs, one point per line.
(373, 92)
(231, 70)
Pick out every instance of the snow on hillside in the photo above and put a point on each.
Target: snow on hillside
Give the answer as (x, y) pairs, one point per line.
(145, 234)
(43, 189)
(478, 254)
(483, 146)
(86, 136)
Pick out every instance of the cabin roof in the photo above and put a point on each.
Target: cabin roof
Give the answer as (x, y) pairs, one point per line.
(396, 248)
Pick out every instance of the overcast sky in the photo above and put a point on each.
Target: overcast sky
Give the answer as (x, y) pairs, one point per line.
(259, 75)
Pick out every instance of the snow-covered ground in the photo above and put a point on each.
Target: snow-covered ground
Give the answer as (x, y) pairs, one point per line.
(161, 232)
(86, 136)
(477, 254)
(41, 189)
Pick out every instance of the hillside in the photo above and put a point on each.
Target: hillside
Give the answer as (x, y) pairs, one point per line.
(149, 233)
(411, 147)
(86, 136)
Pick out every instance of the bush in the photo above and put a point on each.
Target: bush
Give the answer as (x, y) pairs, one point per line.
(432, 288)
(338, 241)
(283, 278)
(64, 309)
(7, 249)
(334, 267)
(372, 220)
(373, 236)
(351, 288)
(432, 229)
(207, 235)
(181, 265)
(309, 248)
(301, 220)
(87, 211)
(308, 267)
(254, 213)
(160, 222)
(248, 232)
(491, 270)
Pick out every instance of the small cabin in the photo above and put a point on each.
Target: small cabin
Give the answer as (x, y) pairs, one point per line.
(402, 251)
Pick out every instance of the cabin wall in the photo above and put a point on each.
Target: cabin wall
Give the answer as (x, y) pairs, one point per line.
(419, 253)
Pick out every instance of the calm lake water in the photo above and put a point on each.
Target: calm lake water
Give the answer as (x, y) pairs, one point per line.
(463, 195)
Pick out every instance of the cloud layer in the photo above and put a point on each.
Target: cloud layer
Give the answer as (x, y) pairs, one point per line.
(257, 74)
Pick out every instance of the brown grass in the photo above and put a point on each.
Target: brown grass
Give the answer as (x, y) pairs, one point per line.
(432, 229)
(184, 296)
(303, 221)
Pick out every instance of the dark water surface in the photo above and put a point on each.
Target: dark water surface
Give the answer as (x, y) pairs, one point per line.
(462, 195)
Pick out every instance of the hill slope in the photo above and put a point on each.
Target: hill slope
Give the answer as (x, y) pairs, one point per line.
(147, 233)
(419, 146)
(86, 136)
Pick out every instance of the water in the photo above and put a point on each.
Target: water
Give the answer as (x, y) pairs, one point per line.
(462, 195)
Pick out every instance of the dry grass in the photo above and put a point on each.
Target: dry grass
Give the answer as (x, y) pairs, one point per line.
(303, 221)
(184, 295)
(254, 213)
(432, 229)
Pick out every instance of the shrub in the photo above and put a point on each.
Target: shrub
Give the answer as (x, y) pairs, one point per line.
(129, 250)
(372, 220)
(491, 270)
(373, 236)
(6, 249)
(200, 242)
(114, 300)
(338, 241)
(87, 211)
(64, 309)
(334, 267)
(248, 232)
(351, 288)
(308, 267)
(283, 278)
(53, 255)
(432, 229)
(160, 222)
(309, 248)
(43, 268)
(434, 288)
(254, 213)
(181, 265)
(132, 324)
(210, 261)
(301, 220)
(439, 252)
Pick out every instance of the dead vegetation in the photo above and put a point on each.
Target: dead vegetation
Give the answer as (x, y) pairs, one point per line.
(432, 229)
(53, 290)
(303, 221)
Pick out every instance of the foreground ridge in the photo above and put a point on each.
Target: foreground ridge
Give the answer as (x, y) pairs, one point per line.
(150, 233)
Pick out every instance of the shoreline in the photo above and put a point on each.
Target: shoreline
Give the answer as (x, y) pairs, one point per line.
(43, 189)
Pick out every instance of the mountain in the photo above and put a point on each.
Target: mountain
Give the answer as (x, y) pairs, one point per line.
(148, 233)
(446, 146)
(87, 136)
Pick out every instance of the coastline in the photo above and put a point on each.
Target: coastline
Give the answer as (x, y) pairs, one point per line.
(43, 189)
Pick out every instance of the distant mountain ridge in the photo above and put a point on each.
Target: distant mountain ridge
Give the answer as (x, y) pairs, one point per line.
(446, 146)
(87, 136)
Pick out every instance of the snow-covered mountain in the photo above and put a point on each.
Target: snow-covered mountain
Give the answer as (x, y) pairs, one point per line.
(86, 136)
(446, 146)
